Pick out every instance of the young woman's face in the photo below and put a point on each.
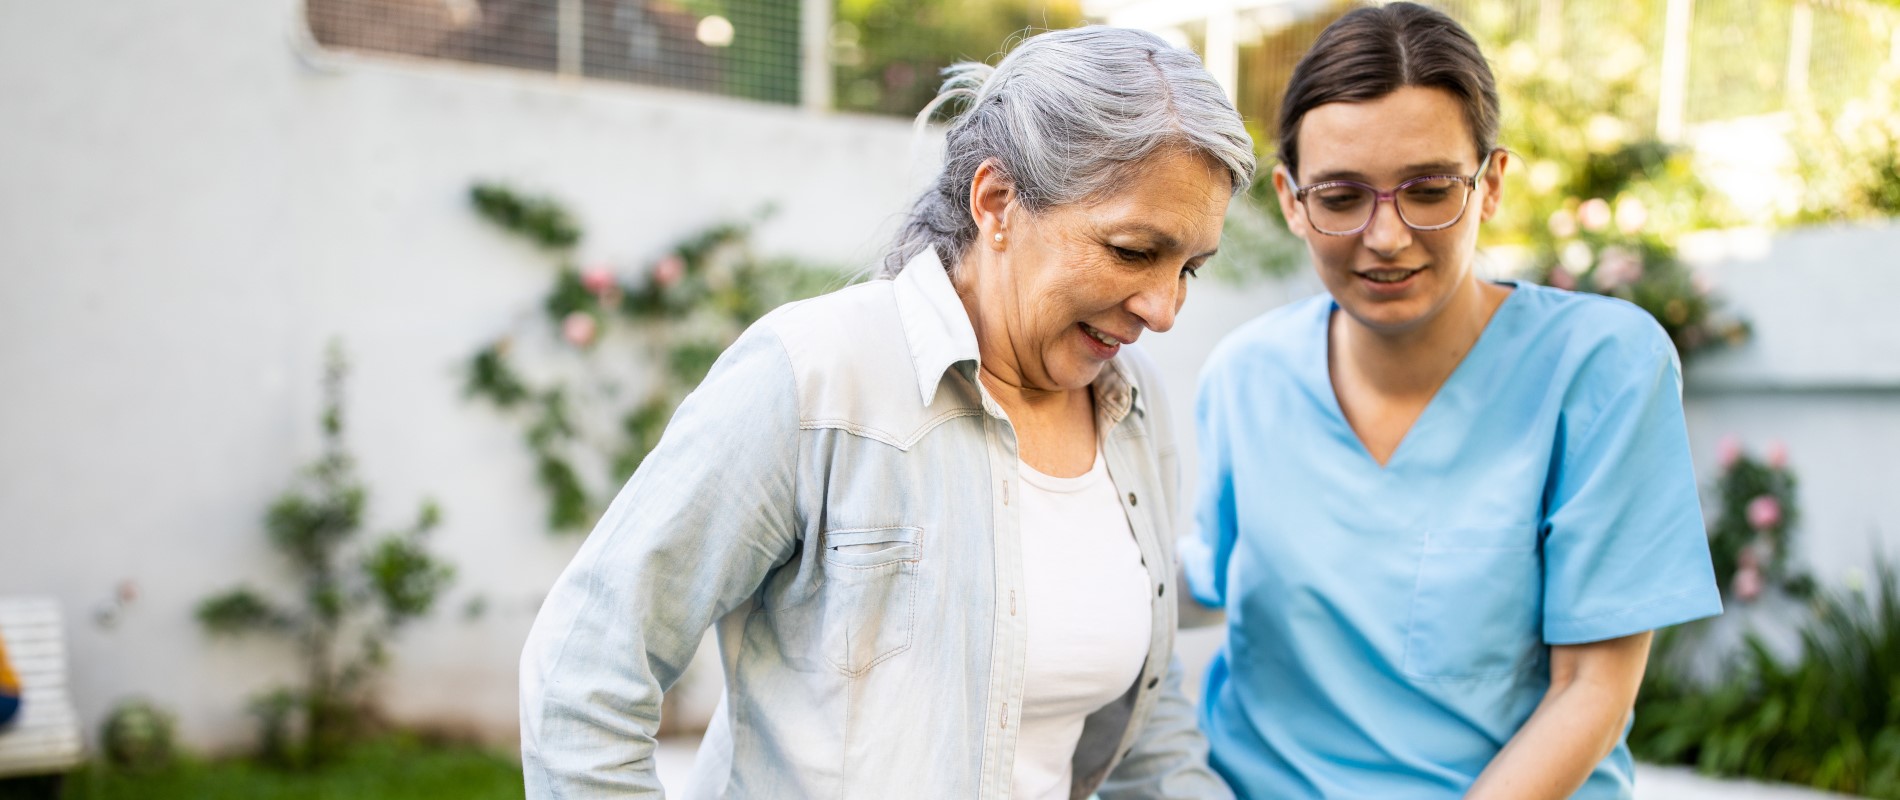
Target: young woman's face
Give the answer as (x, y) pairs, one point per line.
(1389, 276)
(1073, 283)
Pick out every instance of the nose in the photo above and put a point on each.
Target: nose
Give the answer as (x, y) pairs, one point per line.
(1387, 233)
(1158, 301)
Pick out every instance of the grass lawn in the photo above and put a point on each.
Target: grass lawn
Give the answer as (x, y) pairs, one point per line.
(390, 768)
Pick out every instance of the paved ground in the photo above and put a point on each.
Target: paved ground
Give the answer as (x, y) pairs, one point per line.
(1652, 783)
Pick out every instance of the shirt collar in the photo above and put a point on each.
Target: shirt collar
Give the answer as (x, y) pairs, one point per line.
(937, 327)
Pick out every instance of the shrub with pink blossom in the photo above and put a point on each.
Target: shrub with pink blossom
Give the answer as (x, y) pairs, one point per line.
(686, 304)
(1753, 522)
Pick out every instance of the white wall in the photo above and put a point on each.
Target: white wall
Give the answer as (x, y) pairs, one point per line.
(191, 206)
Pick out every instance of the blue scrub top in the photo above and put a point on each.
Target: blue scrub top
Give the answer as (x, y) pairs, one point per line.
(1388, 627)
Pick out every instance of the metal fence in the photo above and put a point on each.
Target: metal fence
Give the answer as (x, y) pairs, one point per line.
(742, 48)
(1735, 57)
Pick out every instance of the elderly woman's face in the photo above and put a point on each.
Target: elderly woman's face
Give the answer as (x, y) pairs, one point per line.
(1079, 281)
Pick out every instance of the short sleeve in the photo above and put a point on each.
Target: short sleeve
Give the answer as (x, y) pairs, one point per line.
(1204, 553)
(1625, 549)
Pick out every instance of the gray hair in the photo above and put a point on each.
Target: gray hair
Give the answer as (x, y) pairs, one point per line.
(1068, 117)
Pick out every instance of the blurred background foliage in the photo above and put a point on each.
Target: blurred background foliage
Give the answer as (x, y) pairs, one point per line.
(886, 55)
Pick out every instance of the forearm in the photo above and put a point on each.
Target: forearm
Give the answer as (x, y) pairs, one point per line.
(1571, 732)
(1581, 719)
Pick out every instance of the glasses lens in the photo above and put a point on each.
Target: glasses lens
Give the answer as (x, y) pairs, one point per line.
(1432, 202)
(1339, 207)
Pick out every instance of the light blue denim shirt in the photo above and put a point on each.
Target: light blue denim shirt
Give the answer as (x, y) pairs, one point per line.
(836, 500)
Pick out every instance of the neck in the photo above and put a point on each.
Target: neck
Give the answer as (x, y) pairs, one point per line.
(1416, 360)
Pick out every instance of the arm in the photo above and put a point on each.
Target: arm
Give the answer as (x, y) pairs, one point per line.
(1581, 719)
(690, 538)
(1169, 757)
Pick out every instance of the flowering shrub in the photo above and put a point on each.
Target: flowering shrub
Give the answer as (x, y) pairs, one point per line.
(684, 307)
(1595, 202)
(1755, 516)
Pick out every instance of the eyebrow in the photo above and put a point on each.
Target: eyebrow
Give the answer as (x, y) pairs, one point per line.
(1161, 237)
(1423, 168)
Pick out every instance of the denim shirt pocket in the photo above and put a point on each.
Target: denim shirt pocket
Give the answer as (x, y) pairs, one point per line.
(870, 594)
(1476, 604)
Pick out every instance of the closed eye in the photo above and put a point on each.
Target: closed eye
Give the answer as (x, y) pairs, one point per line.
(1127, 255)
(1192, 270)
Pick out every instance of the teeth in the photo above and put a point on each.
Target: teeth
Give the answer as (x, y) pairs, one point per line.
(1388, 275)
(1101, 337)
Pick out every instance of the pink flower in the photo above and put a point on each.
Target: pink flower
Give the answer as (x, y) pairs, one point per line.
(1728, 450)
(1777, 454)
(669, 270)
(1763, 512)
(579, 329)
(1562, 279)
(1563, 224)
(1594, 215)
(1619, 266)
(1631, 215)
(1701, 281)
(1747, 583)
(598, 279)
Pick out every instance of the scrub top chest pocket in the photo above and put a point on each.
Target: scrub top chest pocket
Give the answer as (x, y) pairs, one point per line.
(1476, 606)
(870, 594)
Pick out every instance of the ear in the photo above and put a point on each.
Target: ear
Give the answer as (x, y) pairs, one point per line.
(992, 194)
(1494, 181)
(1289, 208)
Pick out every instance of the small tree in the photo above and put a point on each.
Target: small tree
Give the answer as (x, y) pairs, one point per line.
(352, 599)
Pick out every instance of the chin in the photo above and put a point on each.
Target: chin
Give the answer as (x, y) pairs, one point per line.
(1388, 315)
(1079, 375)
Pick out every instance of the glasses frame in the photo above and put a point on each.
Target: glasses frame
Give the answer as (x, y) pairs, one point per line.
(1471, 186)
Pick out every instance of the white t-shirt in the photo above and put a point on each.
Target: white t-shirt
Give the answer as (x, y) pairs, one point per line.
(1087, 598)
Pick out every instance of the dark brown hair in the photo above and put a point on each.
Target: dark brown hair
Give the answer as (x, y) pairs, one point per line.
(1372, 52)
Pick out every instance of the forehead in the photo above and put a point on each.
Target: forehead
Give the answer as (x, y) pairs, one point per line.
(1181, 194)
(1379, 138)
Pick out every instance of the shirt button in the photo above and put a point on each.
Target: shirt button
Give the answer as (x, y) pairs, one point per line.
(1153, 681)
(1161, 589)
(1131, 498)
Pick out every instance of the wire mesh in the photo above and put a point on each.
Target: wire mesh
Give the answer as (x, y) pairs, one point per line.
(886, 56)
(742, 48)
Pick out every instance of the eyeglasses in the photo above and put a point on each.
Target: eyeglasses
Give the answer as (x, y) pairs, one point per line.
(1424, 203)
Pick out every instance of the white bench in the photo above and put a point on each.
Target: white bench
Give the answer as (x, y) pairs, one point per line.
(44, 737)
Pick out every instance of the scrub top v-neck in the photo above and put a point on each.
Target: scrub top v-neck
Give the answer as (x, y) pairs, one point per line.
(1389, 626)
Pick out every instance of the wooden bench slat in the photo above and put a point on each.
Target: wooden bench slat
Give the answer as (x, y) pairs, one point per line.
(33, 634)
(45, 737)
(25, 618)
(30, 668)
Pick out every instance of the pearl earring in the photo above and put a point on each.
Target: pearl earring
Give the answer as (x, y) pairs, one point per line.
(999, 238)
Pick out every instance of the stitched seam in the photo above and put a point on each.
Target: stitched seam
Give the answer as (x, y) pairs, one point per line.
(884, 436)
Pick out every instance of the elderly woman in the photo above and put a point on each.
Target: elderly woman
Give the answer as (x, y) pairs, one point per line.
(930, 516)
(1443, 514)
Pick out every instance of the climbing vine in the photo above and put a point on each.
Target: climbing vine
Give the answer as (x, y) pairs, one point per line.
(628, 341)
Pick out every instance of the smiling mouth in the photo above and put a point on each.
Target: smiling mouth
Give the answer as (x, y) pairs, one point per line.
(1107, 340)
(1389, 275)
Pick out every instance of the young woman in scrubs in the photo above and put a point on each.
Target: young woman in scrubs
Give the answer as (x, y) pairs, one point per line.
(1442, 514)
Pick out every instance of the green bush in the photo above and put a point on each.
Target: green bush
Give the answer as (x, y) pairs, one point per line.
(1830, 718)
(351, 600)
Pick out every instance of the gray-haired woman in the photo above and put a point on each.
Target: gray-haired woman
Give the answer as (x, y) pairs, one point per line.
(930, 515)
